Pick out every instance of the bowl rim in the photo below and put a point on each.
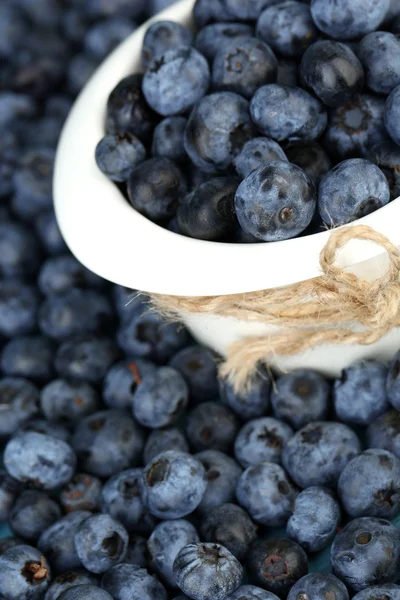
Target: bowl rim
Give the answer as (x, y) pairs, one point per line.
(116, 242)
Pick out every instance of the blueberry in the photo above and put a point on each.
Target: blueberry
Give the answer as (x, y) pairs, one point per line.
(103, 9)
(332, 71)
(157, 6)
(123, 379)
(68, 400)
(9, 542)
(101, 38)
(218, 128)
(287, 27)
(29, 356)
(127, 110)
(252, 592)
(49, 233)
(287, 72)
(316, 516)
(118, 154)
(14, 106)
(76, 311)
(33, 183)
(19, 402)
(65, 582)
(351, 190)
(355, 127)
(18, 308)
(393, 382)
(32, 513)
(85, 592)
(318, 586)
(57, 542)
(261, 440)
(137, 554)
(86, 357)
(19, 250)
(366, 552)
(107, 442)
(230, 526)
(127, 581)
(161, 440)
(59, 274)
(176, 80)
(167, 539)
(391, 115)
(80, 70)
(326, 448)
(369, 485)
(222, 474)
(255, 152)
(276, 564)
(81, 493)
(251, 403)
(9, 489)
(348, 19)
(286, 113)
(173, 484)
(389, 591)
(386, 156)
(211, 38)
(121, 498)
(101, 542)
(207, 571)
(168, 139)
(8, 161)
(24, 574)
(379, 53)
(129, 302)
(248, 10)
(265, 491)
(312, 158)
(359, 395)
(208, 213)
(149, 336)
(52, 428)
(211, 426)
(198, 365)
(384, 432)
(276, 201)
(155, 187)
(210, 11)
(162, 36)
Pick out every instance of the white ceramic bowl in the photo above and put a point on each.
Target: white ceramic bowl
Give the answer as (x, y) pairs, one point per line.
(109, 237)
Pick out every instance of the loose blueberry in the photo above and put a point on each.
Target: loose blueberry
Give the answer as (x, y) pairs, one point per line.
(122, 381)
(230, 526)
(211, 38)
(254, 402)
(68, 400)
(389, 591)
(32, 513)
(211, 426)
(161, 440)
(85, 592)
(19, 402)
(101, 542)
(65, 582)
(261, 440)
(18, 308)
(61, 273)
(348, 19)
(123, 581)
(384, 432)
(198, 365)
(81, 493)
(86, 357)
(222, 474)
(379, 53)
(24, 574)
(318, 586)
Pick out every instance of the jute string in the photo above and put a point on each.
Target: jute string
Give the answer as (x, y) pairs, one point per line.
(336, 308)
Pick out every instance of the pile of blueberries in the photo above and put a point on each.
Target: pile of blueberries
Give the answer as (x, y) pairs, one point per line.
(271, 119)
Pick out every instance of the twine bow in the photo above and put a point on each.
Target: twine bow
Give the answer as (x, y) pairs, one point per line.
(336, 308)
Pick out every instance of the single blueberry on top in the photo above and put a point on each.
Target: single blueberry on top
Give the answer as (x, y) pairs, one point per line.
(384, 432)
(261, 440)
(222, 474)
(369, 485)
(163, 36)
(276, 201)
(230, 526)
(392, 113)
(255, 152)
(319, 586)
(211, 38)
(198, 365)
(25, 574)
(379, 53)
(118, 154)
(124, 581)
(312, 158)
(168, 139)
(325, 447)
(211, 426)
(332, 71)
(32, 513)
(207, 571)
(251, 403)
(366, 552)
(348, 19)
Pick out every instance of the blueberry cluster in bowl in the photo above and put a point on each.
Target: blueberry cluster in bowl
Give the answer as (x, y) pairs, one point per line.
(272, 119)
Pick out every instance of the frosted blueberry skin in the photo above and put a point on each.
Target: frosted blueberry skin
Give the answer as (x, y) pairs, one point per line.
(369, 485)
(123, 580)
(384, 432)
(379, 53)
(20, 403)
(161, 440)
(117, 155)
(86, 357)
(211, 426)
(359, 395)
(255, 152)
(316, 516)
(373, 546)
(23, 458)
(318, 586)
(275, 202)
(168, 139)
(66, 581)
(210, 11)
(267, 494)
(18, 567)
(163, 36)
(85, 592)
(173, 484)
(81, 493)
(386, 156)
(18, 308)
(392, 114)
(352, 189)
(222, 474)
(248, 10)
(348, 19)
(230, 526)
(66, 400)
(252, 403)
(164, 544)
(276, 564)
(261, 440)
(243, 65)
(102, 38)
(58, 541)
(207, 571)
(211, 38)
(32, 513)
(389, 591)
(355, 127)
(218, 128)
(286, 113)
(393, 382)
(288, 28)
(122, 380)
(252, 592)
(208, 213)
(175, 81)
(101, 542)
(198, 365)
(326, 447)
(332, 71)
